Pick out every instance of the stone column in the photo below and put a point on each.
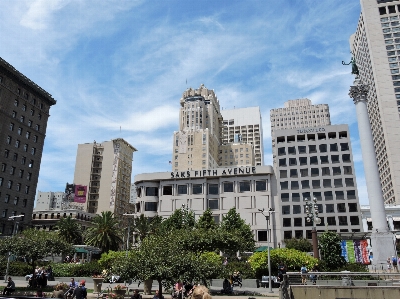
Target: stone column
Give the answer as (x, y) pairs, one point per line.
(382, 239)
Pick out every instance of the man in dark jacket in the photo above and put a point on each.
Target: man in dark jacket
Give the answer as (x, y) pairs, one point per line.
(80, 292)
(10, 287)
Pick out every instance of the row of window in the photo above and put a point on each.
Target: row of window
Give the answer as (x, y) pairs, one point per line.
(18, 142)
(327, 195)
(311, 137)
(4, 214)
(329, 208)
(33, 102)
(27, 134)
(314, 160)
(326, 183)
(13, 168)
(314, 172)
(243, 186)
(339, 220)
(30, 123)
(298, 234)
(17, 186)
(323, 148)
(15, 200)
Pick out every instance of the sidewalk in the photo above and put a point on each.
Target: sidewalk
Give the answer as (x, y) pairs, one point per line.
(240, 293)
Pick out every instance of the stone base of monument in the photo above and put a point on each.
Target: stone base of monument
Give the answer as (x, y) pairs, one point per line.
(383, 246)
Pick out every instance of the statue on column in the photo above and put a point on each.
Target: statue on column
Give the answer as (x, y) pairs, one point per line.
(354, 68)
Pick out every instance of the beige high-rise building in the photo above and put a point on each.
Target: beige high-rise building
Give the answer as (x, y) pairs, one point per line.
(103, 170)
(210, 138)
(376, 49)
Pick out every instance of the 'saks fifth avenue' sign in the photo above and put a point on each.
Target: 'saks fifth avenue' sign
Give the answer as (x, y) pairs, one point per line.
(212, 172)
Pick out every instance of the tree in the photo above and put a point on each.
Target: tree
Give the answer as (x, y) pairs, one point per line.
(331, 250)
(206, 221)
(234, 224)
(299, 244)
(34, 245)
(143, 226)
(70, 230)
(105, 232)
(181, 218)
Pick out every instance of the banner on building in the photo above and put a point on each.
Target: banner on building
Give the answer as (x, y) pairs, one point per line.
(355, 251)
(70, 192)
(80, 193)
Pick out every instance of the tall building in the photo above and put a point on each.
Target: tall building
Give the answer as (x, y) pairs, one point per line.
(49, 200)
(24, 110)
(376, 49)
(313, 159)
(243, 126)
(205, 140)
(102, 176)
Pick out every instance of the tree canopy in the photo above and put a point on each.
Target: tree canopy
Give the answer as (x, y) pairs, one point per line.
(70, 230)
(331, 250)
(299, 244)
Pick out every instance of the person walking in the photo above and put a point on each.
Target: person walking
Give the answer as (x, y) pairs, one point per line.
(303, 271)
(80, 292)
(394, 263)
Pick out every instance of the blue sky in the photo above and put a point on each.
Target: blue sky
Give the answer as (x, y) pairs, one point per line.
(119, 68)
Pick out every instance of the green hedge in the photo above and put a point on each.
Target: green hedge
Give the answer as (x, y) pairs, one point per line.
(76, 270)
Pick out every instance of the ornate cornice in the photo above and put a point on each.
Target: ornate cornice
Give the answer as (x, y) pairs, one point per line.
(358, 93)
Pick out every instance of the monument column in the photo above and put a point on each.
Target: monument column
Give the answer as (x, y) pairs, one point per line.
(382, 241)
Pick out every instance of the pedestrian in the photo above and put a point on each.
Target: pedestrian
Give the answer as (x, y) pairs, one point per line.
(136, 294)
(157, 295)
(303, 271)
(394, 263)
(58, 292)
(80, 292)
(389, 264)
(10, 287)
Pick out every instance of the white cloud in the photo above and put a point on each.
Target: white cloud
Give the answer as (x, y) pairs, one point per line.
(40, 12)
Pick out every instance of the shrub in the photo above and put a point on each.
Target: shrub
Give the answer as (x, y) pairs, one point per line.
(75, 270)
(19, 269)
(242, 266)
(299, 244)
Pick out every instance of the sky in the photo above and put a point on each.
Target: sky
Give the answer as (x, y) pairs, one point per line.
(117, 69)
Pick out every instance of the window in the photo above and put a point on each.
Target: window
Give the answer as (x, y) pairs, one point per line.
(25, 147)
(337, 183)
(11, 126)
(342, 220)
(330, 208)
(284, 185)
(9, 139)
(314, 160)
(283, 174)
(312, 149)
(151, 191)
(292, 161)
(295, 197)
(213, 189)
(16, 199)
(182, 189)
(26, 189)
(39, 116)
(167, 190)
(291, 150)
(335, 158)
(314, 172)
(347, 170)
(302, 150)
(33, 150)
(23, 160)
(354, 220)
(32, 112)
(150, 206)
(344, 146)
(294, 185)
(331, 220)
(349, 182)
(4, 213)
(12, 170)
(7, 198)
(287, 222)
(29, 176)
(197, 189)
(1, 181)
(336, 171)
(21, 173)
(341, 208)
(293, 173)
(24, 202)
(6, 153)
(261, 185)
(284, 197)
(213, 204)
(303, 160)
(17, 142)
(228, 186)
(9, 184)
(305, 184)
(346, 158)
(317, 195)
(352, 207)
(3, 167)
(296, 209)
(304, 172)
(328, 195)
(27, 135)
(285, 210)
(244, 186)
(316, 184)
(16, 103)
(30, 165)
(262, 235)
(281, 151)
(14, 114)
(334, 147)
(323, 148)
(339, 195)
(282, 162)
(15, 157)
(23, 107)
(22, 119)
(324, 159)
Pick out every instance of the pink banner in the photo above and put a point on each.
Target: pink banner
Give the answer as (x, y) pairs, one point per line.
(80, 193)
(364, 251)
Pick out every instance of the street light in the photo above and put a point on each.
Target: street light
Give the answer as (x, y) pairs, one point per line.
(311, 208)
(129, 230)
(267, 216)
(15, 228)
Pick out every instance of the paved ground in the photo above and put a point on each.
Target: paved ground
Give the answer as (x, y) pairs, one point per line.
(241, 293)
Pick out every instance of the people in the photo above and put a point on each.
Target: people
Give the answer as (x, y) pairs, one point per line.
(80, 292)
(281, 271)
(39, 292)
(394, 263)
(226, 287)
(313, 276)
(10, 287)
(58, 292)
(201, 292)
(157, 295)
(389, 264)
(178, 290)
(72, 286)
(303, 271)
(136, 294)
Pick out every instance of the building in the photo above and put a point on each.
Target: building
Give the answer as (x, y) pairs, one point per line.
(24, 110)
(247, 189)
(243, 126)
(49, 200)
(392, 218)
(316, 162)
(47, 219)
(205, 140)
(376, 49)
(102, 176)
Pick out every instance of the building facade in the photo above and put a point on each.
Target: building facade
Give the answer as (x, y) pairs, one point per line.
(49, 200)
(47, 219)
(103, 170)
(247, 189)
(210, 138)
(24, 112)
(376, 49)
(316, 162)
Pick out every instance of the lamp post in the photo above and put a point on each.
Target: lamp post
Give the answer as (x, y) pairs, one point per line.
(267, 217)
(311, 208)
(129, 230)
(15, 228)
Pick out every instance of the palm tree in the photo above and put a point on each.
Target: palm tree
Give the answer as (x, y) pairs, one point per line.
(105, 232)
(143, 226)
(70, 230)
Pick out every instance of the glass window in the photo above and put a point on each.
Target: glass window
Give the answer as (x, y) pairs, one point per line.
(324, 159)
(349, 182)
(294, 185)
(197, 189)
(287, 234)
(283, 173)
(342, 220)
(316, 184)
(336, 171)
(352, 207)
(150, 206)
(284, 197)
(314, 172)
(282, 162)
(213, 204)
(291, 150)
(305, 184)
(323, 148)
(295, 197)
(338, 183)
(167, 190)
(261, 185)
(328, 195)
(341, 208)
(303, 160)
(284, 185)
(333, 147)
(228, 186)
(262, 235)
(287, 222)
(331, 220)
(339, 195)
(293, 173)
(330, 208)
(314, 160)
(304, 172)
(182, 189)
(312, 149)
(325, 171)
(292, 161)
(344, 146)
(354, 220)
(302, 149)
(296, 209)
(281, 151)
(213, 189)
(351, 194)
(347, 170)
(317, 195)
(285, 210)
(151, 191)
(335, 158)
(244, 186)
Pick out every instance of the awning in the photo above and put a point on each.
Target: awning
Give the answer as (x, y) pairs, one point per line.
(262, 248)
(87, 249)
